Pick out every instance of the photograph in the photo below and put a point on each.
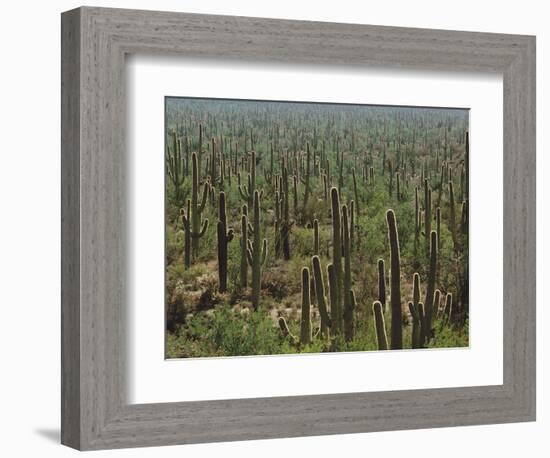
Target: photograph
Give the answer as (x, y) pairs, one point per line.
(300, 227)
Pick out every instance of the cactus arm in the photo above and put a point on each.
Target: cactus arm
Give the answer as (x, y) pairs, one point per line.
(185, 222)
(437, 300)
(204, 197)
(198, 235)
(243, 193)
(448, 308)
(204, 227)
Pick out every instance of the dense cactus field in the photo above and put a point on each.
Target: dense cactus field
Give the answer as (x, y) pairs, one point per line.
(308, 228)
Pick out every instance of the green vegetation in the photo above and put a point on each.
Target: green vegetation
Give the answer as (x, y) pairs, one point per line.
(296, 228)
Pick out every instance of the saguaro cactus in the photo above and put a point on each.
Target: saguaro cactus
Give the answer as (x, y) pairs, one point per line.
(175, 166)
(336, 261)
(419, 330)
(417, 221)
(395, 289)
(199, 151)
(305, 324)
(448, 308)
(256, 252)
(316, 248)
(320, 295)
(346, 292)
(307, 189)
(415, 333)
(286, 224)
(452, 215)
(187, 237)
(432, 274)
(427, 213)
(278, 223)
(194, 227)
(380, 326)
(224, 237)
(244, 247)
(382, 284)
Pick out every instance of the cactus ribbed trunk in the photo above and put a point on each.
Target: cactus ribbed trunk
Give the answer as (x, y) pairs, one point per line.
(192, 220)
(244, 244)
(395, 279)
(419, 324)
(305, 323)
(452, 215)
(336, 306)
(380, 326)
(382, 284)
(256, 252)
(430, 289)
(320, 295)
(316, 237)
(427, 213)
(347, 292)
(187, 239)
(306, 181)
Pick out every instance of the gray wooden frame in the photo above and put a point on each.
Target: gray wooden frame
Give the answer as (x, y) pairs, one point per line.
(95, 413)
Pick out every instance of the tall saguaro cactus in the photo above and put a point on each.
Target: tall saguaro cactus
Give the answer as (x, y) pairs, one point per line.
(286, 223)
(224, 237)
(347, 292)
(307, 189)
(427, 213)
(305, 326)
(452, 215)
(316, 244)
(320, 295)
(336, 261)
(244, 248)
(432, 273)
(256, 252)
(193, 227)
(395, 290)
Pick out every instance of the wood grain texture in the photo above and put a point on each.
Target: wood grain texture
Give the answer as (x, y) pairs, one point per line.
(95, 412)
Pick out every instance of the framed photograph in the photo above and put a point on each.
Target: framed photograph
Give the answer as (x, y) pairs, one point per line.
(277, 228)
